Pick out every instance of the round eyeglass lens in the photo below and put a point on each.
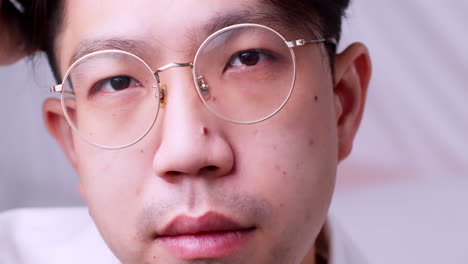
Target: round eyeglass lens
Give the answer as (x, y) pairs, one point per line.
(245, 74)
(110, 98)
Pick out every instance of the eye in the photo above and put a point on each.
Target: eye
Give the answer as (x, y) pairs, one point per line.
(248, 58)
(115, 84)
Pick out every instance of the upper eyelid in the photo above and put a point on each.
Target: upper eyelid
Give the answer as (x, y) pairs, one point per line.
(240, 52)
(106, 80)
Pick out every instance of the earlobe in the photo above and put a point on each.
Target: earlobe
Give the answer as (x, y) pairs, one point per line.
(58, 127)
(352, 76)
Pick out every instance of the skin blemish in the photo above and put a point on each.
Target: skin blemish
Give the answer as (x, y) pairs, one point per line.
(285, 173)
(275, 147)
(316, 98)
(142, 151)
(255, 132)
(307, 217)
(138, 192)
(277, 167)
(311, 142)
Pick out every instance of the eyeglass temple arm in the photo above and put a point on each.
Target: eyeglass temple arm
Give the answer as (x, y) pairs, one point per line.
(303, 42)
(58, 89)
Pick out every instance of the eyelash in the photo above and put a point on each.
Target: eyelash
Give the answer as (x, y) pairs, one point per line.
(106, 82)
(264, 54)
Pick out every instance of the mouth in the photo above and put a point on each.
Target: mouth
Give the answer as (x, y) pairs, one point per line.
(209, 236)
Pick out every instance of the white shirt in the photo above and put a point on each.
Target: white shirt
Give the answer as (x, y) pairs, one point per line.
(69, 236)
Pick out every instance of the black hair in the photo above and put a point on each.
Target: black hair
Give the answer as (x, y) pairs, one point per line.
(41, 21)
(323, 17)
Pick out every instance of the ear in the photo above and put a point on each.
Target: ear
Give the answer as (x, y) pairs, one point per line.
(59, 128)
(352, 75)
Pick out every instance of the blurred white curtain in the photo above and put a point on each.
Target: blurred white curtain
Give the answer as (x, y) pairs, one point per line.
(417, 108)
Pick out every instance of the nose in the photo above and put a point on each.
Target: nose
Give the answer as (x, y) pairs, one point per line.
(192, 140)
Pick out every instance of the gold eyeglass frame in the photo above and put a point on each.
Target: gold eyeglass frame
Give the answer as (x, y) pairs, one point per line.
(161, 92)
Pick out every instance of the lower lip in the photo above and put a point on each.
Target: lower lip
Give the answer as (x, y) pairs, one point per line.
(206, 245)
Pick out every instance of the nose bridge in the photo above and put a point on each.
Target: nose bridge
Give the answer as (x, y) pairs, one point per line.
(177, 79)
(169, 66)
(190, 140)
(173, 65)
(183, 110)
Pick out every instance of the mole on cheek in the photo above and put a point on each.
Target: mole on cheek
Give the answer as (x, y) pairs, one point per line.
(311, 141)
(316, 98)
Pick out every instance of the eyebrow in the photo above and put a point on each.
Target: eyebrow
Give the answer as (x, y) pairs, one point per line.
(140, 47)
(239, 17)
(88, 46)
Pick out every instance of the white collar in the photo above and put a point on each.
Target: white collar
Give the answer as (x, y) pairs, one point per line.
(342, 250)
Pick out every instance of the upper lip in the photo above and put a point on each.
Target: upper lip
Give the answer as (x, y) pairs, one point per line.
(210, 222)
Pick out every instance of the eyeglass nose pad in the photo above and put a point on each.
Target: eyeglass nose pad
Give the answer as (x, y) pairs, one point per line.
(162, 95)
(203, 86)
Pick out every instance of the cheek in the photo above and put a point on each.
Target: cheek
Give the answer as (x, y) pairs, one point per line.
(294, 152)
(112, 182)
(109, 172)
(297, 178)
(296, 169)
(291, 160)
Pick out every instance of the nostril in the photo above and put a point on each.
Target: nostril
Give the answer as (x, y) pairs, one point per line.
(173, 173)
(209, 169)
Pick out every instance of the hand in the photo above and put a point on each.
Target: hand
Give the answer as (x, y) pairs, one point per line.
(12, 46)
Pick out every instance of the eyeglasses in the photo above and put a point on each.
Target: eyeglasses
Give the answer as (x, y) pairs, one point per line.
(243, 73)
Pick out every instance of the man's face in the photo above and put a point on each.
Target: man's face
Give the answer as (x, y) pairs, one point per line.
(198, 187)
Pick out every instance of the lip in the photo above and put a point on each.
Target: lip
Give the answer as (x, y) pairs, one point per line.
(212, 235)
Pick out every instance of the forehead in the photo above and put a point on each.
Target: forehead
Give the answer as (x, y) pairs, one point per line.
(148, 26)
